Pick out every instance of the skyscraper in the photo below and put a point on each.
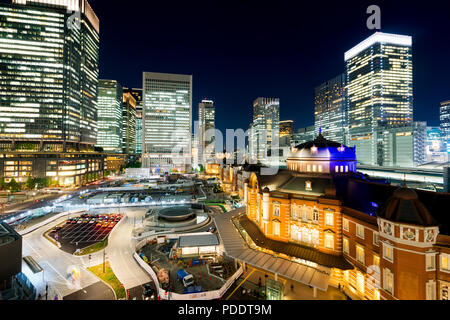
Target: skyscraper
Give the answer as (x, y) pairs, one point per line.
(286, 132)
(206, 119)
(128, 124)
(265, 128)
(137, 94)
(445, 123)
(49, 60)
(329, 109)
(167, 121)
(379, 90)
(109, 136)
(49, 79)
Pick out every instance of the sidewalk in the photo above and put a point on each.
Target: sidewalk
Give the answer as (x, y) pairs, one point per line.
(299, 292)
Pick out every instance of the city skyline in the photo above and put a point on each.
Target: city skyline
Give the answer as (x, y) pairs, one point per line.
(285, 72)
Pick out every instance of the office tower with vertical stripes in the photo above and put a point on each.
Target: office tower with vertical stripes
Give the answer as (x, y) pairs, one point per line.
(109, 136)
(379, 91)
(167, 121)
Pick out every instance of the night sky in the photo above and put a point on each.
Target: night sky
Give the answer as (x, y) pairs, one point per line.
(240, 50)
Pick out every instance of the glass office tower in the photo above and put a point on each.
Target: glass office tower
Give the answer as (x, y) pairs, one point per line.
(49, 77)
(167, 121)
(265, 128)
(206, 119)
(48, 91)
(445, 123)
(109, 135)
(137, 94)
(129, 124)
(379, 91)
(329, 109)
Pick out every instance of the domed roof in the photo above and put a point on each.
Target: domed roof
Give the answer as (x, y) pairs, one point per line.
(321, 148)
(406, 194)
(405, 207)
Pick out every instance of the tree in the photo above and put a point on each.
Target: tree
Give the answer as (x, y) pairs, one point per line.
(14, 186)
(3, 184)
(31, 183)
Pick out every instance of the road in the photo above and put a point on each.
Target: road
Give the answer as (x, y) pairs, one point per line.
(96, 291)
(120, 251)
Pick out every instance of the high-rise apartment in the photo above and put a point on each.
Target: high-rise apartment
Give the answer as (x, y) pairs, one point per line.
(329, 109)
(206, 136)
(110, 119)
(379, 90)
(167, 121)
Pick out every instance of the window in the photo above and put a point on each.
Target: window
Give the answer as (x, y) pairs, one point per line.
(346, 277)
(388, 281)
(346, 168)
(388, 252)
(376, 238)
(376, 261)
(294, 213)
(329, 219)
(430, 261)
(376, 294)
(305, 214)
(360, 231)
(444, 290)
(276, 228)
(276, 210)
(360, 253)
(345, 246)
(329, 241)
(320, 168)
(431, 290)
(336, 169)
(360, 282)
(345, 225)
(316, 215)
(444, 263)
(314, 168)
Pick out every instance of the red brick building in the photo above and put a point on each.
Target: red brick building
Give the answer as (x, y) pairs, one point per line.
(379, 241)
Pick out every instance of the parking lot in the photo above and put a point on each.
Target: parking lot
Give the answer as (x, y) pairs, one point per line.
(83, 231)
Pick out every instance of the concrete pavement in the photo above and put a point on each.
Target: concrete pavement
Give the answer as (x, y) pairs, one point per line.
(57, 264)
(120, 251)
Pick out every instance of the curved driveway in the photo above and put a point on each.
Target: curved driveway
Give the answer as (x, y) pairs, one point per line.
(120, 251)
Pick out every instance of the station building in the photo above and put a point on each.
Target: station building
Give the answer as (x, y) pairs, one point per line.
(374, 241)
